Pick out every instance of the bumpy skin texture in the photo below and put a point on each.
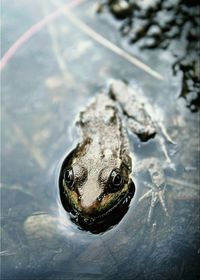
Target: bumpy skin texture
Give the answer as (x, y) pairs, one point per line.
(102, 149)
(138, 119)
(102, 159)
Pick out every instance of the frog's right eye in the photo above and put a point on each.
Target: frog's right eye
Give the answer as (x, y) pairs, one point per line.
(115, 180)
(69, 178)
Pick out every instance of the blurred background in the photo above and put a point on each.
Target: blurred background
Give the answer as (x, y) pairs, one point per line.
(56, 56)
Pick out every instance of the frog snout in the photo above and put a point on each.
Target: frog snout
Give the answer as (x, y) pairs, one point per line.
(88, 197)
(89, 207)
(88, 204)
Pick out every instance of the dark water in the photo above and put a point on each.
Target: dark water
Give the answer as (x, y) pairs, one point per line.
(44, 86)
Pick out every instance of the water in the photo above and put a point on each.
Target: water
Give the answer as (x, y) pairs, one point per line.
(44, 86)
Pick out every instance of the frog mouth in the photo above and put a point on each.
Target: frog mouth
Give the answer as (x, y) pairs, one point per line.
(107, 219)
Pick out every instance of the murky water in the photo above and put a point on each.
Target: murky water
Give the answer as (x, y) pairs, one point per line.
(44, 86)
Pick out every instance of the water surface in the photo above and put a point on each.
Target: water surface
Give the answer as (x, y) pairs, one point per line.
(44, 86)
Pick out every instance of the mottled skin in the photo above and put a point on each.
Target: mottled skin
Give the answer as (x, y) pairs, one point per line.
(102, 156)
(139, 120)
(103, 148)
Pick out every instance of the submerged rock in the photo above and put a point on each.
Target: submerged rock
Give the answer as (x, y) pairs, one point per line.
(165, 25)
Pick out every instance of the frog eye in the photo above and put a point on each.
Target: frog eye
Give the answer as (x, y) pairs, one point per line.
(115, 180)
(69, 178)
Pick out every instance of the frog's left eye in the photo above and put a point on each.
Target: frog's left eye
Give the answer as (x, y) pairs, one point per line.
(69, 178)
(115, 180)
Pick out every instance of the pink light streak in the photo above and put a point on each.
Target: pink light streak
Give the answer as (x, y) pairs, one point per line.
(34, 29)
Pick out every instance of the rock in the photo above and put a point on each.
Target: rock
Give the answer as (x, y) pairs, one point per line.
(121, 8)
(164, 19)
(139, 30)
(41, 227)
(146, 5)
(173, 32)
(148, 43)
(154, 31)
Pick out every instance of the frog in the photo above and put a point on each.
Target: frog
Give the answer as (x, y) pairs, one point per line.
(95, 177)
(95, 182)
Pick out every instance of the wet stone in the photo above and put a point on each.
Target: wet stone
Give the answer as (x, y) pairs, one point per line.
(193, 34)
(148, 43)
(190, 84)
(167, 25)
(170, 4)
(164, 19)
(139, 30)
(147, 5)
(154, 31)
(120, 8)
(193, 101)
(41, 227)
(165, 44)
(192, 96)
(173, 32)
(125, 29)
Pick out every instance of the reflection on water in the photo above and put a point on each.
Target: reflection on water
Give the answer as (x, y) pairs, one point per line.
(44, 86)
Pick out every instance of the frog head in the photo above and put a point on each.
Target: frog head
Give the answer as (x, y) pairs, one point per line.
(95, 193)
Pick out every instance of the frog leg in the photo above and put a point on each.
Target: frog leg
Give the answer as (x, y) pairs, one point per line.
(163, 147)
(143, 132)
(154, 199)
(166, 134)
(147, 194)
(157, 187)
(156, 195)
(162, 201)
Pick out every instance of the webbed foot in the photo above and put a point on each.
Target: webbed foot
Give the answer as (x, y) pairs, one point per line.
(157, 187)
(157, 194)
